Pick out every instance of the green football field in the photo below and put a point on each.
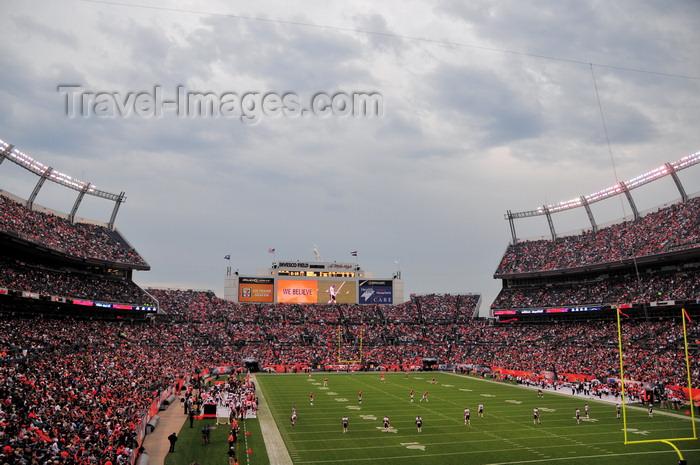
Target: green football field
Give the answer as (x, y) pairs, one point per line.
(505, 435)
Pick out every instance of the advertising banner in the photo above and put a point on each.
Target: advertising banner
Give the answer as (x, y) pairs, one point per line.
(256, 290)
(376, 292)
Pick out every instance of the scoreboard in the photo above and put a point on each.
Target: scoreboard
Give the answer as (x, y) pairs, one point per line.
(313, 283)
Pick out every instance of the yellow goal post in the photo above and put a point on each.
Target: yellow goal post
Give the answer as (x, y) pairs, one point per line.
(340, 347)
(669, 441)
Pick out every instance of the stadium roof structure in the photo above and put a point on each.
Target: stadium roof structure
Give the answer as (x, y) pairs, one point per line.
(622, 187)
(9, 152)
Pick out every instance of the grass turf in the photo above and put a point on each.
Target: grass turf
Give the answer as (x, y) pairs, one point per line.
(189, 448)
(506, 434)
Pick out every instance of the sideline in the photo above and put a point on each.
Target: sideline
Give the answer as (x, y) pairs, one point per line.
(276, 449)
(156, 444)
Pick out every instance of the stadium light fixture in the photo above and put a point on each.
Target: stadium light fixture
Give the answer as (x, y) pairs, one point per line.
(616, 189)
(667, 169)
(686, 161)
(38, 168)
(9, 152)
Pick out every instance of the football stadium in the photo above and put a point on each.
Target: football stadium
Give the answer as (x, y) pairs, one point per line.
(590, 352)
(506, 195)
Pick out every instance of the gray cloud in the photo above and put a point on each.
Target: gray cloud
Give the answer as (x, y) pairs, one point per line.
(469, 129)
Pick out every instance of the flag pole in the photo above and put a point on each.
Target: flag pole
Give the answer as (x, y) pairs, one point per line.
(227, 257)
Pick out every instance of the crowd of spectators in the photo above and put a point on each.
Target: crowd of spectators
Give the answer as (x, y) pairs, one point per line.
(623, 289)
(667, 230)
(579, 348)
(80, 240)
(653, 350)
(73, 391)
(69, 284)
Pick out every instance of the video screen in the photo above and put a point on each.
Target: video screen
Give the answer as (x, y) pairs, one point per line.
(313, 291)
(297, 292)
(256, 290)
(341, 292)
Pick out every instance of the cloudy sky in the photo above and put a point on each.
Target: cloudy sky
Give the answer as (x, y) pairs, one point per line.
(485, 107)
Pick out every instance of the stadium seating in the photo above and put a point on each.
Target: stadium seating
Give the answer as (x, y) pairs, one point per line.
(79, 240)
(77, 390)
(668, 230)
(624, 289)
(653, 259)
(31, 277)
